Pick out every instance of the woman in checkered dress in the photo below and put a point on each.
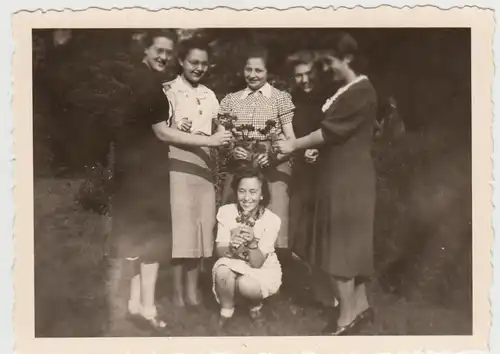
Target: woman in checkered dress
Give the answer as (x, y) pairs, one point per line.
(258, 103)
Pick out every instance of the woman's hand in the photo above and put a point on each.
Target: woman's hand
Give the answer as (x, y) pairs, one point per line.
(240, 153)
(220, 139)
(237, 241)
(263, 160)
(246, 232)
(185, 125)
(285, 147)
(311, 155)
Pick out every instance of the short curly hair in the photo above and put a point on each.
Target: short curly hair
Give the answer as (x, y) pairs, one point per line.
(250, 171)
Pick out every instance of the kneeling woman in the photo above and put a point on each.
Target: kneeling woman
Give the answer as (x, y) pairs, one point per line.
(247, 232)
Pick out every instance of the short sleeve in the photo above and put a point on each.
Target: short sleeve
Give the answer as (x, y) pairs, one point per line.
(344, 117)
(152, 105)
(215, 106)
(270, 235)
(226, 105)
(285, 108)
(223, 226)
(159, 107)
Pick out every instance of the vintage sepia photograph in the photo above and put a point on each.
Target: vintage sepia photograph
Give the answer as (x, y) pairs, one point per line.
(262, 181)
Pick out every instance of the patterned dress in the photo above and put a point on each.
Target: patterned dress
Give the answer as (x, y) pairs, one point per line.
(256, 108)
(266, 230)
(192, 193)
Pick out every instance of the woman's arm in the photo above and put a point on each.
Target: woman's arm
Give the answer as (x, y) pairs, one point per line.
(288, 131)
(177, 137)
(256, 256)
(309, 141)
(289, 146)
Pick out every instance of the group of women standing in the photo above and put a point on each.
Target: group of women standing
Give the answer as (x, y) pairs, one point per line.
(321, 206)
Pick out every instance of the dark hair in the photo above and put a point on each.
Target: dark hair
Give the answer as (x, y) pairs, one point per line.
(343, 45)
(150, 36)
(299, 58)
(193, 43)
(257, 51)
(252, 172)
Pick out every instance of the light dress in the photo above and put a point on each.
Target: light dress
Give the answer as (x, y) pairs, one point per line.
(266, 230)
(192, 197)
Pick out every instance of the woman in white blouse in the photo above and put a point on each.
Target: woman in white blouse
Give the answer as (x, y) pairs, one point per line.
(193, 108)
(246, 234)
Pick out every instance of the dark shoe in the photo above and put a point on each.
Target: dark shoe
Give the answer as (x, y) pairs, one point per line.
(223, 321)
(367, 315)
(351, 329)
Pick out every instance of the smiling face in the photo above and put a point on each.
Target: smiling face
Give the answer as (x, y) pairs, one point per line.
(303, 76)
(338, 68)
(255, 73)
(249, 194)
(194, 65)
(159, 53)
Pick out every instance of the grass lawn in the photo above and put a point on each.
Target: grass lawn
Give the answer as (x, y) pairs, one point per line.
(72, 274)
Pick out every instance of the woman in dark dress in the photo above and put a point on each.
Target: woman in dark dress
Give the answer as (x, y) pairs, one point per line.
(345, 194)
(308, 100)
(141, 232)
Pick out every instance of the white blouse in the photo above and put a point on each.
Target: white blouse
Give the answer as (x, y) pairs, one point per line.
(198, 104)
(265, 229)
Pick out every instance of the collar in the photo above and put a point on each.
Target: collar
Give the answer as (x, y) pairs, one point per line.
(179, 84)
(265, 90)
(341, 90)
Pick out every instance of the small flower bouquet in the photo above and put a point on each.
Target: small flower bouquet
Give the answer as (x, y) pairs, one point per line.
(242, 252)
(243, 139)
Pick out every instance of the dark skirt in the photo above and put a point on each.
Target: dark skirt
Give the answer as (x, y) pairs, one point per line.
(342, 239)
(301, 208)
(141, 216)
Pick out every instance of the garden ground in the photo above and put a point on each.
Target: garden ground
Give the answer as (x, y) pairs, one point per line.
(72, 274)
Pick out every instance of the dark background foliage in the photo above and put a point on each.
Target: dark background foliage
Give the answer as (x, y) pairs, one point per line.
(423, 234)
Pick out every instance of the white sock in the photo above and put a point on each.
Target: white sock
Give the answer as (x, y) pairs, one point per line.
(227, 312)
(134, 303)
(134, 308)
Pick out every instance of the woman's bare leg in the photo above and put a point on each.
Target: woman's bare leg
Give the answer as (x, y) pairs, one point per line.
(225, 288)
(192, 269)
(345, 289)
(361, 298)
(178, 275)
(249, 288)
(134, 302)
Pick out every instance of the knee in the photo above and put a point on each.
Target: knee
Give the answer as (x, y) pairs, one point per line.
(249, 288)
(224, 275)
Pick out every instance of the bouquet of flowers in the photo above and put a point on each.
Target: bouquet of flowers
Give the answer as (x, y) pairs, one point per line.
(242, 252)
(242, 137)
